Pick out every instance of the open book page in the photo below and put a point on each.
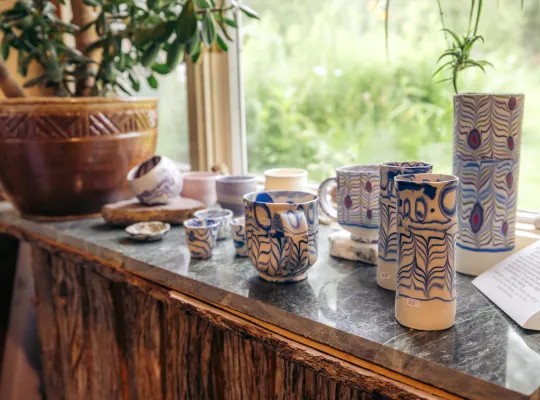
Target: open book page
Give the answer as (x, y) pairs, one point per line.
(514, 286)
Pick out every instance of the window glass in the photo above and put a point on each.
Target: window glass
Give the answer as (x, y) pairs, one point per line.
(320, 92)
(173, 139)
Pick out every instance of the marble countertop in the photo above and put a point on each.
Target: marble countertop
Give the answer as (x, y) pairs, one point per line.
(485, 355)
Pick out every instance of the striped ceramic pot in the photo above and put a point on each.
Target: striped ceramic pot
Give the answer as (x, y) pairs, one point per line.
(231, 190)
(282, 229)
(357, 200)
(487, 141)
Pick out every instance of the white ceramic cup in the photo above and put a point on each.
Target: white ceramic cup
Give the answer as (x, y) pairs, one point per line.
(158, 183)
(286, 179)
(200, 186)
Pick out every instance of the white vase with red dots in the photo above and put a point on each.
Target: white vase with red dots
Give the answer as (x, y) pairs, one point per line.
(487, 141)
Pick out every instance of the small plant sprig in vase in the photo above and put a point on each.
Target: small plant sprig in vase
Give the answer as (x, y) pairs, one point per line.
(69, 154)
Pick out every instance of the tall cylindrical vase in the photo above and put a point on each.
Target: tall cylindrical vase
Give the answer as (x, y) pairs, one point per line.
(427, 227)
(487, 141)
(386, 263)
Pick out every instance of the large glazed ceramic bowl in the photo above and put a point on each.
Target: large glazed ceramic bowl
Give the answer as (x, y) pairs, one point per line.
(70, 156)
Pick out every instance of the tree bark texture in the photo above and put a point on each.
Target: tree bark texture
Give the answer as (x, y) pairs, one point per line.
(107, 334)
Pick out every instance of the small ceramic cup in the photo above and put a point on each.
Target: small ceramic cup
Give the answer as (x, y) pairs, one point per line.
(282, 231)
(357, 200)
(239, 236)
(200, 186)
(201, 236)
(224, 217)
(386, 262)
(286, 179)
(231, 191)
(427, 227)
(155, 181)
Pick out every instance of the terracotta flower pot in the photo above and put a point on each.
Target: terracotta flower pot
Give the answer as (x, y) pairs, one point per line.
(70, 156)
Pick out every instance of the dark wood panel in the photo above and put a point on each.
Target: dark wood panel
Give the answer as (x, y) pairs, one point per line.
(110, 334)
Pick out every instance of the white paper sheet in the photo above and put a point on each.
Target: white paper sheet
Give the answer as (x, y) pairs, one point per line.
(514, 286)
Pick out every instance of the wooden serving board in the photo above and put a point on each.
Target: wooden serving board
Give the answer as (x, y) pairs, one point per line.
(128, 212)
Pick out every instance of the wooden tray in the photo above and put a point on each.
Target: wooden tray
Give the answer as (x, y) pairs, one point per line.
(128, 212)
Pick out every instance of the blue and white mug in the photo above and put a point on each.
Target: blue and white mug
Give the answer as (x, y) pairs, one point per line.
(357, 200)
(282, 230)
(386, 262)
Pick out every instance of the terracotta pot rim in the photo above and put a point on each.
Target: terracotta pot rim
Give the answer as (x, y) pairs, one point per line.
(76, 100)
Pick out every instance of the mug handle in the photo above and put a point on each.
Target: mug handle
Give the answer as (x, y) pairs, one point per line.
(294, 226)
(325, 205)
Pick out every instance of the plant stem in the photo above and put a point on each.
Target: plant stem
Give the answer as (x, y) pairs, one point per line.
(442, 22)
(471, 16)
(478, 13)
(386, 22)
(82, 15)
(454, 80)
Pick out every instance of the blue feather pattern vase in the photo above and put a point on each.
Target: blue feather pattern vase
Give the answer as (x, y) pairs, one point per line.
(487, 143)
(427, 228)
(387, 252)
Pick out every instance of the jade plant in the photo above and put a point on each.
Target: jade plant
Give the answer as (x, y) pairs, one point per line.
(110, 46)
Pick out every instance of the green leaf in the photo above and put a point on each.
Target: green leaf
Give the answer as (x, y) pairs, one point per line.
(35, 81)
(92, 3)
(231, 22)
(455, 36)
(208, 32)
(448, 53)
(174, 54)
(187, 23)
(150, 54)
(441, 68)
(96, 45)
(152, 81)
(160, 69)
(221, 43)
(249, 12)
(135, 83)
(193, 46)
(195, 57)
(122, 88)
(8, 37)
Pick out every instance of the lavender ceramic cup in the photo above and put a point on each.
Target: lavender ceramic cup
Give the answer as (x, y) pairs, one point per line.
(155, 181)
(231, 190)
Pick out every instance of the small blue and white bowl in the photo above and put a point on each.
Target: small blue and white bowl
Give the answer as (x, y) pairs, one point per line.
(201, 236)
(239, 236)
(231, 190)
(224, 217)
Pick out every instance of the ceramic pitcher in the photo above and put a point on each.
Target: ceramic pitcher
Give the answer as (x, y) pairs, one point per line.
(487, 142)
(282, 231)
(357, 200)
(387, 254)
(427, 228)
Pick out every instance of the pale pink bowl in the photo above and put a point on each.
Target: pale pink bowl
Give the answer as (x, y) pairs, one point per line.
(200, 186)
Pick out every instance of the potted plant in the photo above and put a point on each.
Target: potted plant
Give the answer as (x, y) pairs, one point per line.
(486, 148)
(69, 154)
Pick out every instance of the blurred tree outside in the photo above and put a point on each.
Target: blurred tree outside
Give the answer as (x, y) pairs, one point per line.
(321, 93)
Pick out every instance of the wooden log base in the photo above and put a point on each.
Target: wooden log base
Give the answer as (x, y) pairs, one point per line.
(128, 212)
